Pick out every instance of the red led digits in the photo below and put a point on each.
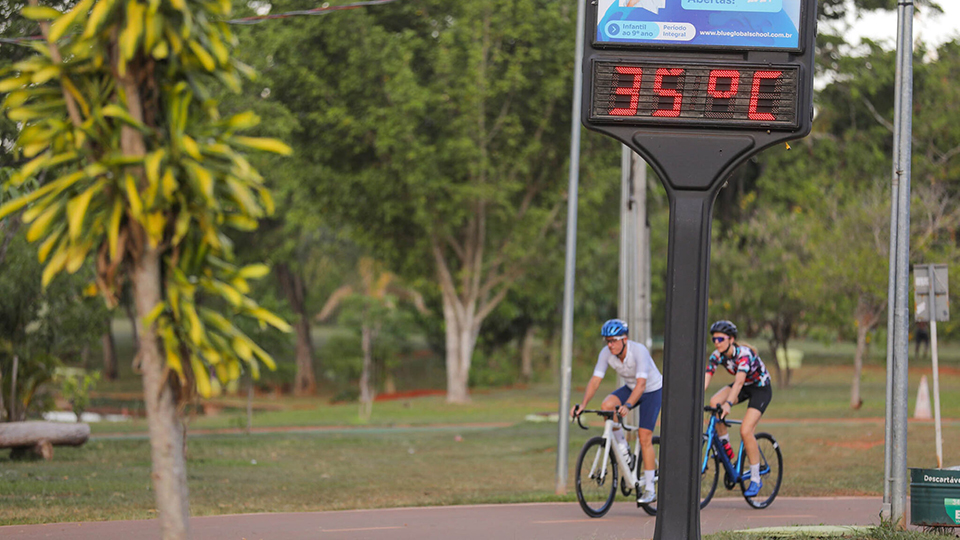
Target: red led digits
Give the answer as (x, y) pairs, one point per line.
(668, 92)
(732, 75)
(695, 94)
(633, 92)
(758, 78)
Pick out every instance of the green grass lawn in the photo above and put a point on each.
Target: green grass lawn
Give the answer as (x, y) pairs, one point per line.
(829, 449)
(375, 468)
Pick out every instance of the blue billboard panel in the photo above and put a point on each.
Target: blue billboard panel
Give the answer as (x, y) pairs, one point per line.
(738, 24)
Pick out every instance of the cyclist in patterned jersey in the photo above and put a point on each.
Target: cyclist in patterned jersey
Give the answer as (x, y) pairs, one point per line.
(752, 383)
(643, 390)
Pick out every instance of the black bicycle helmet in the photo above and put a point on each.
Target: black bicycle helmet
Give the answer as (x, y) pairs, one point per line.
(724, 327)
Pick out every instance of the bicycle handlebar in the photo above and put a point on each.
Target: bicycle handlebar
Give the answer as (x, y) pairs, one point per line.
(605, 414)
(716, 412)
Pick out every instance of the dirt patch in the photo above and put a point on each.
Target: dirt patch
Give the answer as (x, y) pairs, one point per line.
(409, 394)
(851, 445)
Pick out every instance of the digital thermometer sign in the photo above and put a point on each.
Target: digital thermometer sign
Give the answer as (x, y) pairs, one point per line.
(716, 24)
(695, 93)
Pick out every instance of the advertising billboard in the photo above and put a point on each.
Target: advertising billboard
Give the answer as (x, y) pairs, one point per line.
(720, 24)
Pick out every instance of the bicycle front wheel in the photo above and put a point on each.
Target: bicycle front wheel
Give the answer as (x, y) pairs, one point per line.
(596, 478)
(709, 475)
(771, 472)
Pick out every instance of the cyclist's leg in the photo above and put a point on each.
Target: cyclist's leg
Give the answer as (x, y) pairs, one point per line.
(611, 403)
(759, 398)
(722, 395)
(648, 412)
(747, 430)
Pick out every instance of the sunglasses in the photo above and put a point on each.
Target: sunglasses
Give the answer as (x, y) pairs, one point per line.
(719, 339)
(614, 339)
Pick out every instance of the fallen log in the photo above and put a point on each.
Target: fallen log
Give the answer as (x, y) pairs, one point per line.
(39, 438)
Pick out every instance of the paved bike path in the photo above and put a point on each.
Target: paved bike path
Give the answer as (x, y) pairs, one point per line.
(536, 521)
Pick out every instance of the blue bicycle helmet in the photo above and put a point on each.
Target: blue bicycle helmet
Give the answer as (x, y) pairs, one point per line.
(614, 328)
(724, 327)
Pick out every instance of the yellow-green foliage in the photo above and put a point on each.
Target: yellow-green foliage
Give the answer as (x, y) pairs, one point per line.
(177, 193)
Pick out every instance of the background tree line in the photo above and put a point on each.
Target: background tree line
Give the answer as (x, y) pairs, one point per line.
(431, 138)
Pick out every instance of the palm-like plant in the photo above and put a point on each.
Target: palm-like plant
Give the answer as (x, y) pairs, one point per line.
(144, 177)
(376, 288)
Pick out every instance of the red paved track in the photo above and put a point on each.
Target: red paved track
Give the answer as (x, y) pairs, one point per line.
(547, 521)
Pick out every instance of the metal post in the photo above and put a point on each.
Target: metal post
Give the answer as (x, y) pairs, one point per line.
(891, 303)
(638, 175)
(904, 127)
(634, 252)
(626, 298)
(678, 507)
(632, 246)
(566, 347)
(935, 359)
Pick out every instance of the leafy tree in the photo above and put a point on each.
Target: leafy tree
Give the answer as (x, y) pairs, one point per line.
(145, 177)
(42, 328)
(373, 302)
(443, 159)
(762, 278)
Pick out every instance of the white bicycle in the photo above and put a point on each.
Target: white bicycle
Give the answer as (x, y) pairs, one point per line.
(599, 466)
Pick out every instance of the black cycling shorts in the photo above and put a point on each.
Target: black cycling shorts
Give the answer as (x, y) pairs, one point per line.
(758, 396)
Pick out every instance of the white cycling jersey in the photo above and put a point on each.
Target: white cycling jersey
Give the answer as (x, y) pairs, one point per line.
(636, 364)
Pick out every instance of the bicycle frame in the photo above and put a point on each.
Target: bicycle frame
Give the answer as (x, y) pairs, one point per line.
(733, 469)
(628, 473)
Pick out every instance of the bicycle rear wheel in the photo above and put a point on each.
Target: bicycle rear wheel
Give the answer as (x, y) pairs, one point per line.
(771, 472)
(596, 489)
(710, 475)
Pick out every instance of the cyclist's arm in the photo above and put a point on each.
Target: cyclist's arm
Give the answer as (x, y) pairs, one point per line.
(592, 387)
(635, 394)
(706, 381)
(734, 391)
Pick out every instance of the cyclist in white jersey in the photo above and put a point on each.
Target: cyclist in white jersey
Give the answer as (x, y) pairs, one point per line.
(643, 389)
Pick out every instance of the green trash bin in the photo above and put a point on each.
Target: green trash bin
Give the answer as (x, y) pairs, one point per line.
(935, 497)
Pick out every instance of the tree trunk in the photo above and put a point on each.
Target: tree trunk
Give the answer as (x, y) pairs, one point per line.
(12, 414)
(134, 325)
(367, 391)
(867, 317)
(526, 354)
(109, 352)
(28, 434)
(165, 427)
(789, 370)
(774, 344)
(461, 340)
(855, 400)
(292, 282)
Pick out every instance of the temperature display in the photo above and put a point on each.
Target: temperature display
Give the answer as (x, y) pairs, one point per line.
(695, 94)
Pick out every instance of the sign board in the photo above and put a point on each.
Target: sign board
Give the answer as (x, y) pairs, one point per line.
(719, 24)
(931, 279)
(700, 68)
(695, 87)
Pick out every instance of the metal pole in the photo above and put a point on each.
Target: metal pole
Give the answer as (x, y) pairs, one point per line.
(633, 250)
(566, 347)
(628, 275)
(936, 364)
(891, 302)
(681, 427)
(904, 125)
(638, 174)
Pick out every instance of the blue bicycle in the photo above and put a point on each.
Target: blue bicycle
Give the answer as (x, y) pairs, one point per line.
(737, 470)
